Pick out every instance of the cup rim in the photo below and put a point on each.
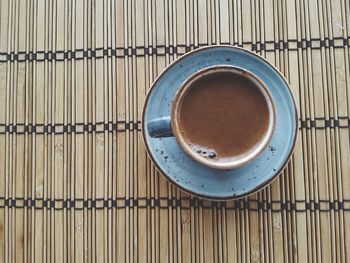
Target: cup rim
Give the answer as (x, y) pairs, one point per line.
(236, 161)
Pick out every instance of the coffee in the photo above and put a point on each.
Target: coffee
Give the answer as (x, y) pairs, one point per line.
(223, 115)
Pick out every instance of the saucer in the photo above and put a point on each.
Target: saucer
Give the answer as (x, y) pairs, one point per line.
(201, 180)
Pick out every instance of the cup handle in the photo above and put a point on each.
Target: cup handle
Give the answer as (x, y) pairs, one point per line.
(160, 127)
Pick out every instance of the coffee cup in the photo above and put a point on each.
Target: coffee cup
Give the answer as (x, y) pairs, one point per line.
(222, 117)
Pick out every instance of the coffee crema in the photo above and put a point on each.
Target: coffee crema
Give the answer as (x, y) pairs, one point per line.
(223, 114)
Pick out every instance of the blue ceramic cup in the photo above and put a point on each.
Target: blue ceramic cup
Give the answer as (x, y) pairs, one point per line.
(167, 126)
(190, 175)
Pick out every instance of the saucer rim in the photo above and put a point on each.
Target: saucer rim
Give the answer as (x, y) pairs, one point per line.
(211, 197)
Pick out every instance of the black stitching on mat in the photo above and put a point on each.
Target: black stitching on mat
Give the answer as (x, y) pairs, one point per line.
(185, 203)
(245, 204)
(60, 128)
(237, 204)
(160, 50)
(68, 128)
(193, 202)
(156, 202)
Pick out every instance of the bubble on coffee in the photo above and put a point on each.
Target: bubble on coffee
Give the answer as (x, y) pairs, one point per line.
(203, 151)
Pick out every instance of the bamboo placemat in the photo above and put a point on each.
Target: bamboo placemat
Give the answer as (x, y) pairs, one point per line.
(75, 181)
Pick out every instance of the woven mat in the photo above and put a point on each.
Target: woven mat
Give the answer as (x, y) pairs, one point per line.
(75, 181)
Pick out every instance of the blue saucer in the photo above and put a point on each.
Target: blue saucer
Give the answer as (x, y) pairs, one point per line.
(198, 179)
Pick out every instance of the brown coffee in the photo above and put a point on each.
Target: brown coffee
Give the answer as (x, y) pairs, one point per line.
(224, 114)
